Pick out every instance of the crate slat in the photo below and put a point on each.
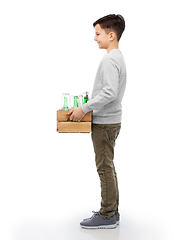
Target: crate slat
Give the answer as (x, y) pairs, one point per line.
(74, 127)
(63, 117)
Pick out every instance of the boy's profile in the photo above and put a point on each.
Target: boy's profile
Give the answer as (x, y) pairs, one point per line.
(108, 91)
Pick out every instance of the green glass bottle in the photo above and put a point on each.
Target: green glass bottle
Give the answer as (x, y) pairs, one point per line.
(86, 97)
(75, 101)
(65, 106)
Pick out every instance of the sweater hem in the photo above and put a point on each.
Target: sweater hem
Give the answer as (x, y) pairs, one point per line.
(106, 120)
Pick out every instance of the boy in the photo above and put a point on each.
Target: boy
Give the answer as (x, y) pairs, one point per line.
(108, 91)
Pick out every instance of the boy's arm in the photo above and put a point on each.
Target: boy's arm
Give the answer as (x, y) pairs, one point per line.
(110, 77)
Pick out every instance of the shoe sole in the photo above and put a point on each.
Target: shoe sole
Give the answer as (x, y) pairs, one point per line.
(102, 226)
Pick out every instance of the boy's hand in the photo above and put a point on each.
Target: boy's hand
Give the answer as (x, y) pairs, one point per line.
(76, 114)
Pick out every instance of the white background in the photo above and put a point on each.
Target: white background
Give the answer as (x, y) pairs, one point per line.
(48, 181)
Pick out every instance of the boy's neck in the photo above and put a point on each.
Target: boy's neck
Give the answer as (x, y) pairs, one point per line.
(112, 46)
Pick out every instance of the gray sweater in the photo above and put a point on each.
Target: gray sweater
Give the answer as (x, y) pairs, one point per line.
(108, 89)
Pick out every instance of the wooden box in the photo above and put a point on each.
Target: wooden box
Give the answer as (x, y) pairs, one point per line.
(64, 125)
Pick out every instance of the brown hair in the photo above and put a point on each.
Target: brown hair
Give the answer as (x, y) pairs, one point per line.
(112, 22)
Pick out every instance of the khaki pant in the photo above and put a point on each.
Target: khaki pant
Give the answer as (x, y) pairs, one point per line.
(103, 137)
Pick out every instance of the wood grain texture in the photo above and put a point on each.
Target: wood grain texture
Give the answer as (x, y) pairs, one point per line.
(74, 127)
(63, 117)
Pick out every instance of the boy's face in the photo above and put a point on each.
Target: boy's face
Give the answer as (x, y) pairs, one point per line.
(102, 38)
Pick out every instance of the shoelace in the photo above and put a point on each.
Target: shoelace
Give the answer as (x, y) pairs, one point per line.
(95, 213)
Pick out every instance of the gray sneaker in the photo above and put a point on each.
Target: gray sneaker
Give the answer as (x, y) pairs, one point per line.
(96, 221)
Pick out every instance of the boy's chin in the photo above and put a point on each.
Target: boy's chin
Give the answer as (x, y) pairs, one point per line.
(102, 47)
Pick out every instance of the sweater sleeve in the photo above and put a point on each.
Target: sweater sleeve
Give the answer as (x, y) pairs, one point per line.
(110, 79)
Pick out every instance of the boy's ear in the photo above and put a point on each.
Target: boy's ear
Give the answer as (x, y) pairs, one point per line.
(112, 36)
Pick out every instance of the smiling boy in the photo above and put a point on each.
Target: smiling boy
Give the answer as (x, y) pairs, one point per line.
(108, 91)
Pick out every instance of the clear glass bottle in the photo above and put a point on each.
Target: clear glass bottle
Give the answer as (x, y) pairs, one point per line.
(65, 102)
(80, 100)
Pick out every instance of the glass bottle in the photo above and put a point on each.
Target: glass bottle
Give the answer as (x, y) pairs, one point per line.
(76, 101)
(80, 100)
(86, 97)
(65, 102)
